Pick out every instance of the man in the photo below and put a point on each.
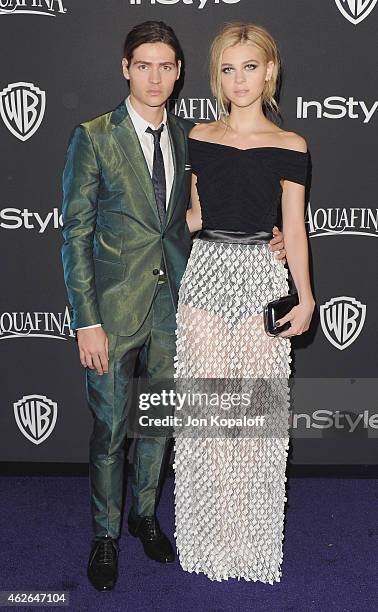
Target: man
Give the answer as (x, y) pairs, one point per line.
(126, 187)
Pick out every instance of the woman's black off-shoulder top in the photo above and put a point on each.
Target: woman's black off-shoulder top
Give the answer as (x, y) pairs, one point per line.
(239, 189)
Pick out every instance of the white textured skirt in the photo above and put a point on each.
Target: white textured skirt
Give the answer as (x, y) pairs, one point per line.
(230, 489)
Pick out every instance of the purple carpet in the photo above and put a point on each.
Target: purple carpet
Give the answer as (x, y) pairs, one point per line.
(330, 552)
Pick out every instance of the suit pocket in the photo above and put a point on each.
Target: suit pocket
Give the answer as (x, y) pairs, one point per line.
(106, 244)
(109, 268)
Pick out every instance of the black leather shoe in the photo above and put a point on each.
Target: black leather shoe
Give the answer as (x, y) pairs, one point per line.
(103, 564)
(155, 543)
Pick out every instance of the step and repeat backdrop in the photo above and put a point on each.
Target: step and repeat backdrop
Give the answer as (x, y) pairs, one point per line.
(60, 65)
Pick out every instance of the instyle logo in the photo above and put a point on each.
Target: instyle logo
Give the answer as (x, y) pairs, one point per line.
(14, 218)
(342, 221)
(336, 107)
(35, 417)
(22, 107)
(198, 3)
(47, 8)
(342, 319)
(197, 109)
(355, 11)
(36, 325)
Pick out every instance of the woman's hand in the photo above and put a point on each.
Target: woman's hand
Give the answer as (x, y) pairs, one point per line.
(277, 244)
(300, 318)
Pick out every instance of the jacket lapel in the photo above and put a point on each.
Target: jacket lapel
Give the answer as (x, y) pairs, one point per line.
(126, 136)
(177, 137)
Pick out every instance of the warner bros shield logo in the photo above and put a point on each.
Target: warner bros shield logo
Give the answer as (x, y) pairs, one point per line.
(342, 320)
(355, 10)
(36, 417)
(22, 107)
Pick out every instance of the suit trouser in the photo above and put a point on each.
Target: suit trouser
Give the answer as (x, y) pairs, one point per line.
(152, 347)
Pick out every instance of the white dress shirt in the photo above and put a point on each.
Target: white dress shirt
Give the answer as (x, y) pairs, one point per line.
(147, 144)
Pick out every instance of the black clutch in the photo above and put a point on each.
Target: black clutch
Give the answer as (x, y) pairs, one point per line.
(277, 309)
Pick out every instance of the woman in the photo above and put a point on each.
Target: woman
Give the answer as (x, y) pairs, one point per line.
(230, 489)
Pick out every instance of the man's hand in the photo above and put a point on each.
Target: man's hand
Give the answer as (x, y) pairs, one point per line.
(94, 349)
(277, 244)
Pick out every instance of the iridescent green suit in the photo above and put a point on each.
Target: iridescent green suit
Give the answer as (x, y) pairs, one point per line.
(112, 252)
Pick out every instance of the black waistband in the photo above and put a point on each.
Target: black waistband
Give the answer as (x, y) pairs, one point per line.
(234, 236)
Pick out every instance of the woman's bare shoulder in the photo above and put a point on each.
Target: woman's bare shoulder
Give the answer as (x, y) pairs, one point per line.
(294, 141)
(205, 131)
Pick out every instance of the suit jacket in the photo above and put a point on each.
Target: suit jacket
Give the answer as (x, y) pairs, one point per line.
(113, 238)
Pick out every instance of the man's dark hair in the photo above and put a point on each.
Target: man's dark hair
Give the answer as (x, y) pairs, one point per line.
(151, 32)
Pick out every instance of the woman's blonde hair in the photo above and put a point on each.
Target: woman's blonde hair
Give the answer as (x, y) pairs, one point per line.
(251, 34)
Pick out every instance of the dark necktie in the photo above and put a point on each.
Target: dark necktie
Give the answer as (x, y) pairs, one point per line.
(158, 174)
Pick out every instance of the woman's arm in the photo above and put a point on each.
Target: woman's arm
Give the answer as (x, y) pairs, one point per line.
(296, 238)
(193, 215)
(296, 245)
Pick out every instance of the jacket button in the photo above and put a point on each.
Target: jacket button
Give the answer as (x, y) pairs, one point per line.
(155, 271)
